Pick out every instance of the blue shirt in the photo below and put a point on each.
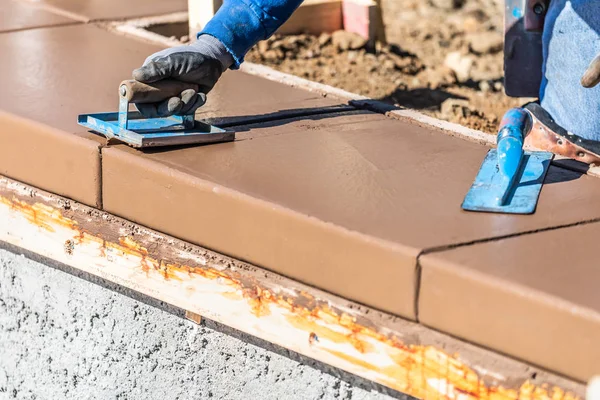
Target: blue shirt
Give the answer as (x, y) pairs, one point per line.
(240, 24)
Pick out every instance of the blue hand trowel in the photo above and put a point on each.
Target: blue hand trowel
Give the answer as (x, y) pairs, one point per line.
(135, 130)
(510, 179)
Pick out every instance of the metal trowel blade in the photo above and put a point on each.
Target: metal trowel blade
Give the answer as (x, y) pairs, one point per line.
(490, 185)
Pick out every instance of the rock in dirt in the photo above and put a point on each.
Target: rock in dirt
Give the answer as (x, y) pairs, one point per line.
(461, 112)
(486, 43)
(447, 4)
(461, 65)
(348, 41)
(455, 108)
(324, 39)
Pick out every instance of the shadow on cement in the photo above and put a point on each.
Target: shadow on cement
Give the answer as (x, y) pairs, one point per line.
(276, 119)
(560, 174)
(420, 99)
(316, 113)
(347, 377)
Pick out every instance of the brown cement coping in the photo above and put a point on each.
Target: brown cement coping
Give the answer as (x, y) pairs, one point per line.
(18, 15)
(49, 76)
(94, 10)
(535, 297)
(51, 159)
(344, 203)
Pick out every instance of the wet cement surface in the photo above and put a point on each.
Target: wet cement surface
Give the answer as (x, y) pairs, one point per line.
(390, 188)
(94, 10)
(534, 297)
(20, 15)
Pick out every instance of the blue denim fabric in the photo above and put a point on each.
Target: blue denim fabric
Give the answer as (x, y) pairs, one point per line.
(571, 41)
(240, 24)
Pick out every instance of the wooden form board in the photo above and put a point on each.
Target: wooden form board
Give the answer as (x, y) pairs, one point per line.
(313, 16)
(386, 351)
(200, 12)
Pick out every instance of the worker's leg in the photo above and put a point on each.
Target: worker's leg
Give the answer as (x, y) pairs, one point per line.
(571, 41)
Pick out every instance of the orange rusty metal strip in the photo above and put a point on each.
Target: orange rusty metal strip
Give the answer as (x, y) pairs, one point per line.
(397, 354)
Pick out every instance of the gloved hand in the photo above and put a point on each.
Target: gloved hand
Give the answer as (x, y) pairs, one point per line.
(202, 62)
(592, 76)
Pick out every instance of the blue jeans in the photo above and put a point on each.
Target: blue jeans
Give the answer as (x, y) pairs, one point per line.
(571, 41)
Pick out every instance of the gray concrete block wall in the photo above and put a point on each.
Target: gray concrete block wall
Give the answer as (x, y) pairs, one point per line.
(62, 337)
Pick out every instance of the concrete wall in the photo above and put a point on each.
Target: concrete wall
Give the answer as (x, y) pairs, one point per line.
(64, 337)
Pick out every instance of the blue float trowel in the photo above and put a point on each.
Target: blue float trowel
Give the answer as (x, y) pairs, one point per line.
(510, 179)
(132, 128)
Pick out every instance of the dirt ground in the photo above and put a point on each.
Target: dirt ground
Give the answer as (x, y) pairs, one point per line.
(443, 57)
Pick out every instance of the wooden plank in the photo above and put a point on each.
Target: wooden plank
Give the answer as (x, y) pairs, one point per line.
(192, 316)
(313, 16)
(200, 12)
(385, 350)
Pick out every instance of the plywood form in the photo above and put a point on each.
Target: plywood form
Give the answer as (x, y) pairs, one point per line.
(535, 297)
(18, 15)
(313, 16)
(200, 13)
(344, 203)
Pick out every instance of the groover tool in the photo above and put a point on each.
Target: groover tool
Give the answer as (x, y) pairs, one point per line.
(132, 128)
(510, 179)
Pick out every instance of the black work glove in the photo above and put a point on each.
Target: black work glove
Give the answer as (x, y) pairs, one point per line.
(592, 76)
(202, 62)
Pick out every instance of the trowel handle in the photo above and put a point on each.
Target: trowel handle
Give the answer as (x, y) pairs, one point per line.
(514, 127)
(138, 92)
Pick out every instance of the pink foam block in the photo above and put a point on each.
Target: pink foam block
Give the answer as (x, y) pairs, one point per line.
(359, 17)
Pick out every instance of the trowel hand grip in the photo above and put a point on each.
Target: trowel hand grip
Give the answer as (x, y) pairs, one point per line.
(138, 92)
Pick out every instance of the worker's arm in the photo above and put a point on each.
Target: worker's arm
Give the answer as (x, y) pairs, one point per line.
(237, 26)
(240, 24)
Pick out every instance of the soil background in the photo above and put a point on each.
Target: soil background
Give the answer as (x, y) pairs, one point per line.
(442, 57)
